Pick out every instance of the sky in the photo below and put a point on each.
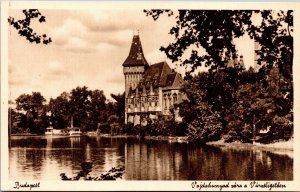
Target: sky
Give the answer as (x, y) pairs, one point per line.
(88, 49)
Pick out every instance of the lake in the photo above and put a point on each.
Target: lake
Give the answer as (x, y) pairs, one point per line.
(46, 157)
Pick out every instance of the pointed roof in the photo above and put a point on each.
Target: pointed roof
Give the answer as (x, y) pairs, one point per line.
(137, 92)
(170, 79)
(151, 89)
(174, 80)
(144, 93)
(157, 74)
(136, 56)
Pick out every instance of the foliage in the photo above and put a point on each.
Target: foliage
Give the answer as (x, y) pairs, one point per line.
(160, 126)
(88, 109)
(214, 31)
(79, 105)
(24, 29)
(96, 111)
(164, 126)
(119, 106)
(225, 102)
(128, 129)
(275, 36)
(33, 109)
(113, 124)
(261, 104)
(15, 122)
(30, 103)
(112, 174)
(243, 101)
(243, 109)
(203, 124)
(284, 127)
(58, 108)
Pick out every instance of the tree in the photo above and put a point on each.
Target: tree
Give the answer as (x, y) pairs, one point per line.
(275, 36)
(15, 121)
(79, 106)
(59, 111)
(119, 106)
(217, 90)
(33, 106)
(261, 105)
(24, 29)
(203, 124)
(97, 111)
(245, 100)
(214, 30)
(113, 124)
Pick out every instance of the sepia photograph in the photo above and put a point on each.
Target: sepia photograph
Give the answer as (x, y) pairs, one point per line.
(110, 91)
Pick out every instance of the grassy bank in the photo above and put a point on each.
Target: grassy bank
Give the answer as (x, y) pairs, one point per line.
(279, 147)
(158, 138)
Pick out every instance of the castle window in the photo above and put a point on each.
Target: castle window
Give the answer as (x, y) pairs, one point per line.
(155, 104)
(174, 98)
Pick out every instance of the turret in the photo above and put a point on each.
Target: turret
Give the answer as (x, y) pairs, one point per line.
(135, 64)
(144, 93)
(151, 90)
(137, 93)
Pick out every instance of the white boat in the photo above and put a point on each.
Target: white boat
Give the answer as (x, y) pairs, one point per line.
(49, 131)
(75, 131)
(52, 131)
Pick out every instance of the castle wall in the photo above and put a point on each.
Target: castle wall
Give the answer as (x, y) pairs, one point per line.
(169, 98)
(133, 75)
(146, 103)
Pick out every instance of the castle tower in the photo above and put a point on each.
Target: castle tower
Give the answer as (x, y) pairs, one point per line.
(135, 65)
(134, 68)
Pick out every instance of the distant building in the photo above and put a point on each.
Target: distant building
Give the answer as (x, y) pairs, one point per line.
(149, 89)
(234, 62)
(257, 64)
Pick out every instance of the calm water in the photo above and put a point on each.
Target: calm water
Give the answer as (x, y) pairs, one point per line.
(46, 157)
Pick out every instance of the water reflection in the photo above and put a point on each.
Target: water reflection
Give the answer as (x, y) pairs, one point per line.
(52, 156)
(164, 161)
(47, 157)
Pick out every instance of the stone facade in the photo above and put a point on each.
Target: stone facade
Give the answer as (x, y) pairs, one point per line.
(149, 89)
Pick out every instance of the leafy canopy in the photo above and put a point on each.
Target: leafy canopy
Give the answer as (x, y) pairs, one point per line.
(24, 29)
(214, 31)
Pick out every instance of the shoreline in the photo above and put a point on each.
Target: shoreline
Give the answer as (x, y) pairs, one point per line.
(279, 147)
(171, 139)
(179, 139)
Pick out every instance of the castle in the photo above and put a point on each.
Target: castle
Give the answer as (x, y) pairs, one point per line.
(149, 89)
(153, 89)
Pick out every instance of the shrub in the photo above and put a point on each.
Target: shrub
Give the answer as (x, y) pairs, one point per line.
(204, 129)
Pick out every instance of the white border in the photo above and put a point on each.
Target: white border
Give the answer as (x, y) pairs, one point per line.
(138, 185)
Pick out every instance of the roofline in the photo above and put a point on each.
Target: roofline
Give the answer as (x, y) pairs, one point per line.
(135, 65)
